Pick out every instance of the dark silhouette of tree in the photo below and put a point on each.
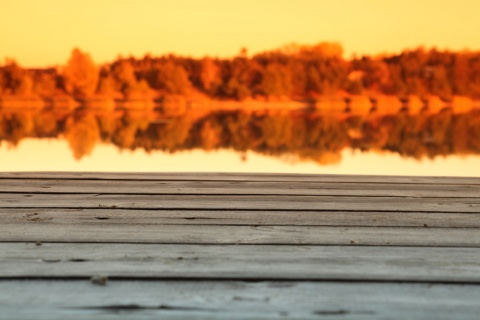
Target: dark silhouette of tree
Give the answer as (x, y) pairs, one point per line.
(439, 84)
(474, 77)
(460, 74)
(15, 80)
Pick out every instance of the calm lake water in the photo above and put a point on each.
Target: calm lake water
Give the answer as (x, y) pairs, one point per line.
(443, 144)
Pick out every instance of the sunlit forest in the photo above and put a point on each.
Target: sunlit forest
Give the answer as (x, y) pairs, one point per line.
(293, 73)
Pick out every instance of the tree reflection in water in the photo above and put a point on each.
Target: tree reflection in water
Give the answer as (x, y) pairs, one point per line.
(307, 135)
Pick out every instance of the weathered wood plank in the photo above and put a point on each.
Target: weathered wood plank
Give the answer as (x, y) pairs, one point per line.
(149, 261)
(241, 177)
(232, 202)
(227, 234)
(310, 229)
(238, 188)
(236, 300)
(116, 216)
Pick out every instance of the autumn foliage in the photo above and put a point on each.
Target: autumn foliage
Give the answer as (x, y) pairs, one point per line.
(80, 75)
(292, 72)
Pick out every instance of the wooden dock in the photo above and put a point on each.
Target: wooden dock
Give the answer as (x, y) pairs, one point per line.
(238, 246)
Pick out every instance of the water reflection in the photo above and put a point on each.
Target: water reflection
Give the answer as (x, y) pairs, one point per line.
(301, 135)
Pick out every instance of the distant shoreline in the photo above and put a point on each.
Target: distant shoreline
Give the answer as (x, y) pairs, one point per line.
(353, 104)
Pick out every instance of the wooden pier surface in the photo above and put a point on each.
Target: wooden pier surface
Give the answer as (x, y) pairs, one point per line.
(238, 246)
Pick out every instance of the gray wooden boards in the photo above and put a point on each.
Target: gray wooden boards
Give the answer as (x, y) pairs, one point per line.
(239, 262)
(226, 234)
(247, 202)
(207, 187)
(55, 300)
(161, 217)
(238, 246)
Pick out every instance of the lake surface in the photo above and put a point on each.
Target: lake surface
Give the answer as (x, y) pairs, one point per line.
(443, 144)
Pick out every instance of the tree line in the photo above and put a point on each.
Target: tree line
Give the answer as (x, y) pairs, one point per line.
(292, 72)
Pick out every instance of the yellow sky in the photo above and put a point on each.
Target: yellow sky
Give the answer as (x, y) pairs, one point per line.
(43, 32)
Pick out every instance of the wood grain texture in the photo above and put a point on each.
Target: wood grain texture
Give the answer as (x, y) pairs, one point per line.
(100, 231)
(258, 262)
(247, 202)
(236, 300)
(116, 216)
